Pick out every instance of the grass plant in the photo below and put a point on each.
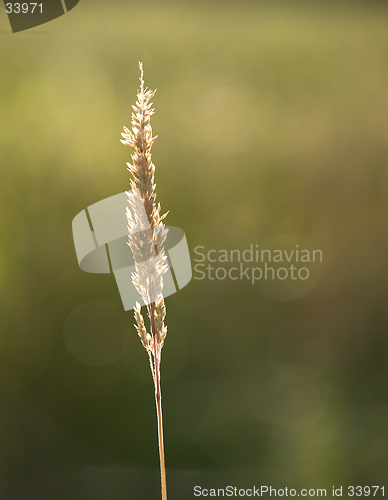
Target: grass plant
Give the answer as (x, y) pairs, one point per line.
(146, 236)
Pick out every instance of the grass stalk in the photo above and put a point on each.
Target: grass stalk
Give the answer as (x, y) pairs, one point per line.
(146, 237)
(158, 401)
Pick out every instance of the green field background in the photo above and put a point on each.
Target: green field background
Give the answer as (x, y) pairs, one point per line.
(272, 119)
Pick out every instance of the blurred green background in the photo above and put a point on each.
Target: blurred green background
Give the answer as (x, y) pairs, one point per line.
(272, 119)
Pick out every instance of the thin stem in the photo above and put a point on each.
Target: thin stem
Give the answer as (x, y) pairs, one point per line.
(158, 400)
